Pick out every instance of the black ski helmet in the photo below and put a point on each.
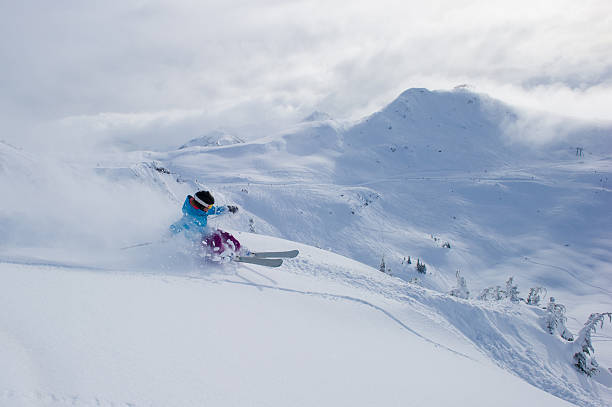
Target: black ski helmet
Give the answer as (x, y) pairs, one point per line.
(205, 196)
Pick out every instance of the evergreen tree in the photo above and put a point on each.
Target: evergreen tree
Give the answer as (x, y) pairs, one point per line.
(492, 294)
(535, 295)
(584, 358)
(461, 291)
(420, 267)
(382, 266)
(512, 291)
(555, 320)
(497, 294)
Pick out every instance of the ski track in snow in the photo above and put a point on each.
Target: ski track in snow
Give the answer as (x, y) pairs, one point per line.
(50, 263)
(570, 273)
(451, 176)
(352, 299)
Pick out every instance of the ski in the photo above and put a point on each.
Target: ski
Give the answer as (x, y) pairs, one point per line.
(260, 261)
(288, 254)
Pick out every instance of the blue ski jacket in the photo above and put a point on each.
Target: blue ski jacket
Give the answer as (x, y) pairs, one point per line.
(195, 220)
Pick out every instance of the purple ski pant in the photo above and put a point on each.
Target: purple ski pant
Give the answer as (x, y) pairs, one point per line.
(219, 241)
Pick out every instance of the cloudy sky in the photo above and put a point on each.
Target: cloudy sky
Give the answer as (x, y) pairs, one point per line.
(172, 70)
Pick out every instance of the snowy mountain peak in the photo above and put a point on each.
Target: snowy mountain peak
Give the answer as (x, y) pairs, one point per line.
(434, 129)
(213, 139)
(437, 101)
(415, 91)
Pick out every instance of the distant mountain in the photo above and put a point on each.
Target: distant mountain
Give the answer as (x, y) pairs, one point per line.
(213, 139)
(435, 130)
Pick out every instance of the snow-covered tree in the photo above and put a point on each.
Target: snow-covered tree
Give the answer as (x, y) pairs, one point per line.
(492, 294)
(497, 294)
(555, 320)
(512, 291)
(535, 295)
(461, 291)
(584, 360)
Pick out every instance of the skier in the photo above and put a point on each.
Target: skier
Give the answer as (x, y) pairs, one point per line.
(218, 243)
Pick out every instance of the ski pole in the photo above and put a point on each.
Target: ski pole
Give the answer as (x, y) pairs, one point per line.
(162, 240)
(136, 245)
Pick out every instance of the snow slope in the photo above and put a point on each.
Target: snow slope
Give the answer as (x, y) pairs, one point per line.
(84, 322)
(321, 330)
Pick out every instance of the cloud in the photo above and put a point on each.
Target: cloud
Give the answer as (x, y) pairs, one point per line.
(46, 203)
(158, 130)
(262, 64)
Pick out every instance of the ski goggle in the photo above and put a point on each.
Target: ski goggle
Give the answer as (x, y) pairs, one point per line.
(201, 204)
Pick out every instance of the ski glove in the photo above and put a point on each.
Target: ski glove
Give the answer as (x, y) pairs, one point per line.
(232, 208)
